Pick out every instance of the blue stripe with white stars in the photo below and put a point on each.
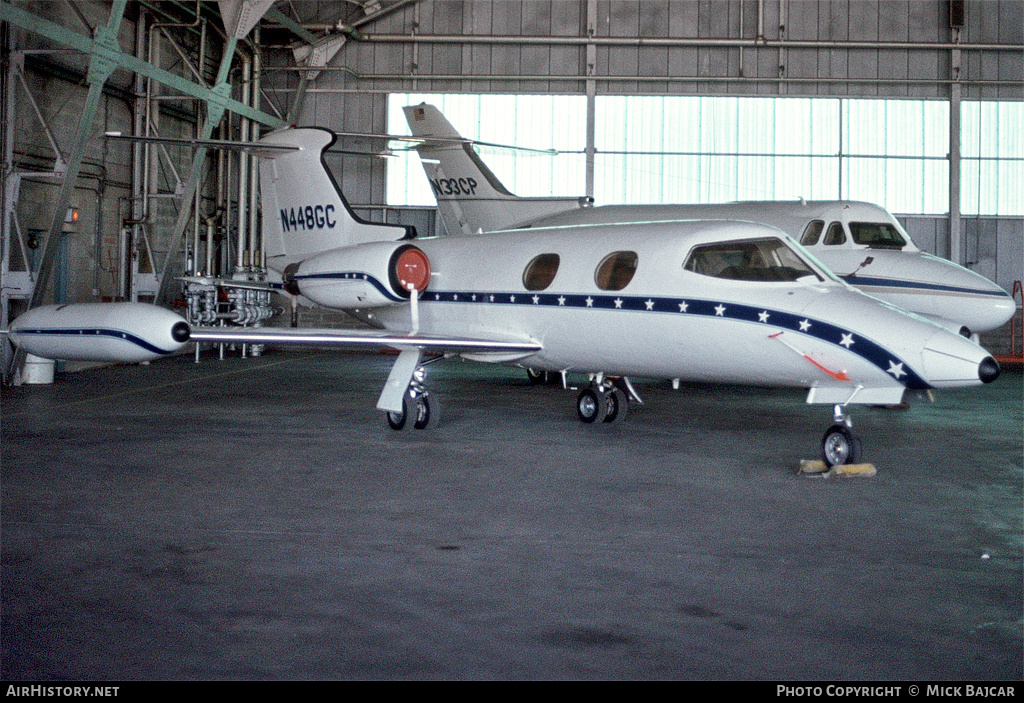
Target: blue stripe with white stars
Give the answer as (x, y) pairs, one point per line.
(827, 332)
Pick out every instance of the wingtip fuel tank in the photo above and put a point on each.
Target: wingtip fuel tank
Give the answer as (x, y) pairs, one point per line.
(111, 332)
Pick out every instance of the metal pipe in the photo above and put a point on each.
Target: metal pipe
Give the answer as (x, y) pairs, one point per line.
(620, 79)
(760, 41)
(254, 97)
(243, 165)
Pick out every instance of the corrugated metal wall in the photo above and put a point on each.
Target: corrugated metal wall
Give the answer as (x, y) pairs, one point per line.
(856, 48)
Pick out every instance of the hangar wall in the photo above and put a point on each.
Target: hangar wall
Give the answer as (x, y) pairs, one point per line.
(839, 48)
(842, 48)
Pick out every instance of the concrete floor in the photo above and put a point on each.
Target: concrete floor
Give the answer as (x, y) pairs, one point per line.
(256, 519)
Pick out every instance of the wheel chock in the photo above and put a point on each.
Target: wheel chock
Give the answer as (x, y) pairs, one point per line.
(821, 469)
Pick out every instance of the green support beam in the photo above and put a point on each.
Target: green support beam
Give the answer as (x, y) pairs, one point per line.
(105, 56)
(38, 25)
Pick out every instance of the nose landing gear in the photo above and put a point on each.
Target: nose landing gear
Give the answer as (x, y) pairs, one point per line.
(840, 446)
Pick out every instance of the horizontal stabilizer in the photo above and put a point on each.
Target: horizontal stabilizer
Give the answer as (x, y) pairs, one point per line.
(250, 147)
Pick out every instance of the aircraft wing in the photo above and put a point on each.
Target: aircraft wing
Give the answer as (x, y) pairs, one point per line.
(409, 346)
(362, 339)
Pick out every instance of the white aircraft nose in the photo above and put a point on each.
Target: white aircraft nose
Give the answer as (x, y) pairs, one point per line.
(950, 360)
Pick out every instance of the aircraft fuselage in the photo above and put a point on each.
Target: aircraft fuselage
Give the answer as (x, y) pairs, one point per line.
(797, 328)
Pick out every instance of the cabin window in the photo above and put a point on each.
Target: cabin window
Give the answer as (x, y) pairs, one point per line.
(812, 233)
(877, 235)
(540, 272)
(835, 235)
(748, 260)
(616, 270)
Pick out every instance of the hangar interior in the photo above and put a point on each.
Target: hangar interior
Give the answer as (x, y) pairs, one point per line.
(914, 104)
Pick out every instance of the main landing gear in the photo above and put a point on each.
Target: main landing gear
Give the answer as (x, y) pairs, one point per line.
(420, 409)
(602, 401)
(840, 445)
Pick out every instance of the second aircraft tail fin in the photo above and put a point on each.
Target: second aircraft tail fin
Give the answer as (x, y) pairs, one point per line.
(469, 196)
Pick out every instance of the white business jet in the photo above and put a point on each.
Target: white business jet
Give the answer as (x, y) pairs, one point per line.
(719, 301)
(862, 243)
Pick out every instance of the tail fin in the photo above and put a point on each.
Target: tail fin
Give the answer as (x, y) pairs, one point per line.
(304, 212)
(470, 197)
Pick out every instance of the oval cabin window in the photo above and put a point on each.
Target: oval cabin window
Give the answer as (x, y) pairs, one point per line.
(616, 270)
(540, 272)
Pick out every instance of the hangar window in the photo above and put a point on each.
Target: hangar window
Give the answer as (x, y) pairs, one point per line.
(835, 235)
(616, 270)
(812, 233)
(540, 272)
(748, 260)
(877, 235)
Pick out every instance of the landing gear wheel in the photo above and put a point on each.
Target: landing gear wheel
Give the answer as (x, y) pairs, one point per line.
(840, 446)
(591, 406)
(397, 420)
(618, 405)
(428, 412)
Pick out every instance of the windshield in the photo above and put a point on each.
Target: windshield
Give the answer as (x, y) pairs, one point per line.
(749, 260)
(877, 235)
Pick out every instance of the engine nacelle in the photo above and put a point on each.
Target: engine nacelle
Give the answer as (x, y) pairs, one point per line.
(362, 276)
(116, 332)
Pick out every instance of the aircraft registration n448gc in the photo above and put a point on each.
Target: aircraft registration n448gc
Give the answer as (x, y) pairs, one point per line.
(717, 301)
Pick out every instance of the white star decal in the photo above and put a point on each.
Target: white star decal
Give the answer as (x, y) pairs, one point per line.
(720, 310)
(455, 296)
(590, 302)
(437, 296)
(561, 300)
(511, 299)
(847, 340)
(805, 325)
(763, 316)
(536, 299)
(683, 306)
(896, 369)
(618, 302)
(474, 297)
(492, 298)
(649, 304)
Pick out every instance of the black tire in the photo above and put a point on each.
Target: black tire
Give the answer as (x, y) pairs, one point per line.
(591, 406)
(618, 405)
(428, 411)
(398, 420)
(840, 446)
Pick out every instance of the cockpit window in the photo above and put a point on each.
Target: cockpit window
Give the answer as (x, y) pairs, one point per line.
(812, 233)
(540, 272)
(877, 235)
(616, 270)
(835, 235)
(748, 260)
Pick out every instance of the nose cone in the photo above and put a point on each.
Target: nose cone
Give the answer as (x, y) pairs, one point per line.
(988, 370)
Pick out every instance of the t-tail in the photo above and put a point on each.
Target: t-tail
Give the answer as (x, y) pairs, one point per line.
(470, 198)
(304, 212)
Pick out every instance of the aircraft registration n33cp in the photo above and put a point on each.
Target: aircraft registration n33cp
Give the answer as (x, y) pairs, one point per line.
(716, 301)
(860, 242)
